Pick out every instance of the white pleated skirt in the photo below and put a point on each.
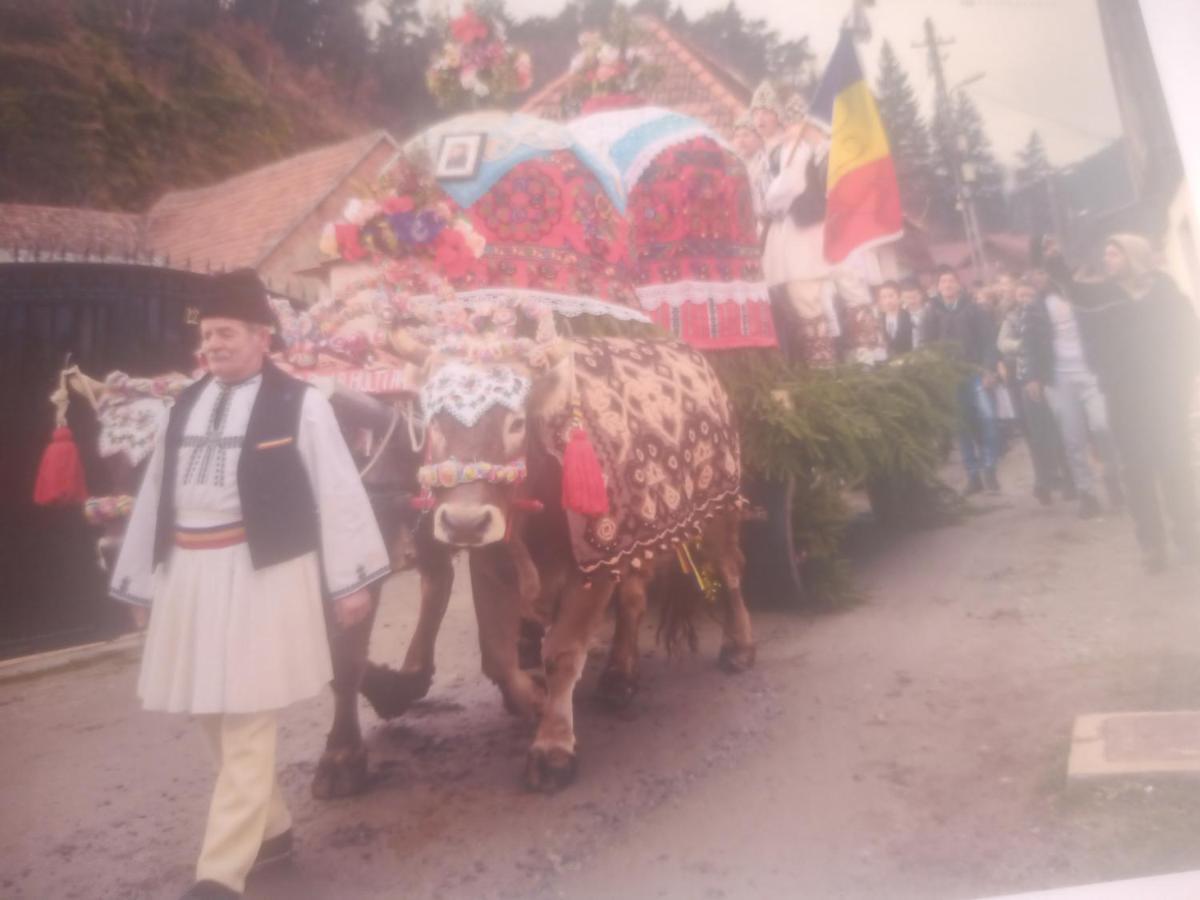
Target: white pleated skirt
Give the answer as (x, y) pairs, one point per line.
(225, 638)
(792, 253)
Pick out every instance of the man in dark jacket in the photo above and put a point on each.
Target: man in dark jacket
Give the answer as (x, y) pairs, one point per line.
(1144, 342)
(895, 324)
(958, 322)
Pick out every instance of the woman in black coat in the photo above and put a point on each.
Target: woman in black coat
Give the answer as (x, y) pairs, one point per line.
(1143, 340)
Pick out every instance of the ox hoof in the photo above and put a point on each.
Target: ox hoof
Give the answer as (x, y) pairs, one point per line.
(550, 769)
(616, 689)
(340, 773)
(736, 659)
(391, 692)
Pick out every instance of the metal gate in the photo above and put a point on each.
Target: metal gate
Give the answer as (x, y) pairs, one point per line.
(107, 316)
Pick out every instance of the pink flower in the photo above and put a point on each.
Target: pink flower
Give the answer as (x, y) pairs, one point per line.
(469, 27)
(606, 72)
(454, 258)
(398, 204)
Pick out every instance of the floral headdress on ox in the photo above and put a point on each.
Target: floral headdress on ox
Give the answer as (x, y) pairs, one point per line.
(608, 70)
(476, 65)
(475, 350)
(475, 347)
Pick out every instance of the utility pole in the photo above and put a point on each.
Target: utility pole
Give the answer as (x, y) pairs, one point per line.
(962, 194)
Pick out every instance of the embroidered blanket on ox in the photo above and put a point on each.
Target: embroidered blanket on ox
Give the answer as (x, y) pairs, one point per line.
(663, 432)
(696, 256)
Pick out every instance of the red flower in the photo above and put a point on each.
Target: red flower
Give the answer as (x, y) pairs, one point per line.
(469, 27)
(398, 204)
(454, 258)
(347, 241)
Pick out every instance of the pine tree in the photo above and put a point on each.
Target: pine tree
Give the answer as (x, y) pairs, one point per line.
(1033, 196)
(959, 137)
(983, 175)
(1032, 163)
(943, 197)
(403, 44)
(907, 134)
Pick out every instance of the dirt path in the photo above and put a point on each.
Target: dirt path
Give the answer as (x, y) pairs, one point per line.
(911, 746)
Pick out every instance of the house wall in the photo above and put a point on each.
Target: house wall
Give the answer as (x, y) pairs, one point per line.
(1173, 29)
(293, 266)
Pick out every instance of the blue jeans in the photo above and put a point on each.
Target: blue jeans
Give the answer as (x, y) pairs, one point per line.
(978, 440)
(1082, 415)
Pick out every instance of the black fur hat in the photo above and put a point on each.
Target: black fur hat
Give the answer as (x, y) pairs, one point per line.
(237, 295)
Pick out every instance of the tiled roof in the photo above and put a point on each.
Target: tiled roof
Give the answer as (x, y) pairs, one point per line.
(64, 229)
(692, 83)
(231, 224)
(237, 222)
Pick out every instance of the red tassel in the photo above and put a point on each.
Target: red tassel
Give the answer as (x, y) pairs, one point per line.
(60, 479)
(583, 479)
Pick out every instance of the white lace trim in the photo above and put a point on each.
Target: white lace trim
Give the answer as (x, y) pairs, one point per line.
(680, 293)
(467, 392)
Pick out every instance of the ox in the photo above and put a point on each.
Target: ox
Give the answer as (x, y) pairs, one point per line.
(494, 469)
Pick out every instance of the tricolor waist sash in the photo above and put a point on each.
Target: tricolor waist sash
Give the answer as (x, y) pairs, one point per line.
(215, 537)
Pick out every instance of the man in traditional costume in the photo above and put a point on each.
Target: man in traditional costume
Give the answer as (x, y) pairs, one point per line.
(765, 117)
(750, 149)
(250, 519)
(802, 294)
(805, 287)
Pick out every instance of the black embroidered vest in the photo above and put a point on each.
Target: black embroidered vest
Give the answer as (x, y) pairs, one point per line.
(278, 506)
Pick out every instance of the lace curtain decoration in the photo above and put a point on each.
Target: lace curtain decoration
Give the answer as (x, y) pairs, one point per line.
(466, 392)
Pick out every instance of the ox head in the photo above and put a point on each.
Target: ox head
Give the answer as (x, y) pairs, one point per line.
(478, 432)
(477, 439)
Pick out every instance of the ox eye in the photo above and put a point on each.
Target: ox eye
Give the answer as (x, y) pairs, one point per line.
(516, 426)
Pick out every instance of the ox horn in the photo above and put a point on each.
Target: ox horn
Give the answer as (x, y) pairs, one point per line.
(408, 347)
(74, 379)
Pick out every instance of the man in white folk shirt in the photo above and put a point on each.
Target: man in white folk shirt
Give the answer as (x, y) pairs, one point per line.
(251, 517)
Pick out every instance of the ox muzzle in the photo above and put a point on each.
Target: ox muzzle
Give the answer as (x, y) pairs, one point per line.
(469, 524)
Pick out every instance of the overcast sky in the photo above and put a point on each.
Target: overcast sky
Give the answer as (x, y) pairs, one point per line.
(1043, 61)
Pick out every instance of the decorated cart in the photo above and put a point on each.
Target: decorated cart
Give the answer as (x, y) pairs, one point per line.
(626, 219)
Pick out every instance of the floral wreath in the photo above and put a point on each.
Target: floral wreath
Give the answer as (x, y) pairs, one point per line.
(476, 65)
(603, 72)
(405, 216)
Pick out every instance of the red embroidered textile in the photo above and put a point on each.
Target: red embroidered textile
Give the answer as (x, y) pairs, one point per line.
(695, 250)
(550, 226)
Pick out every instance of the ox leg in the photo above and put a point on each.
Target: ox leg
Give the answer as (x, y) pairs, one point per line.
(722, 544)
(342, 769)
(533, 615)
(551, 763)
(391, 692)
(497, 599)
(619, 682)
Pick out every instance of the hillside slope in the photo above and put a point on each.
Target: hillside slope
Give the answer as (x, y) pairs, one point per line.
(95, 115)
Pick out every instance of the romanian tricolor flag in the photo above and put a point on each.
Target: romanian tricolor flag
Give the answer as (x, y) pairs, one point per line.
(862, 206)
